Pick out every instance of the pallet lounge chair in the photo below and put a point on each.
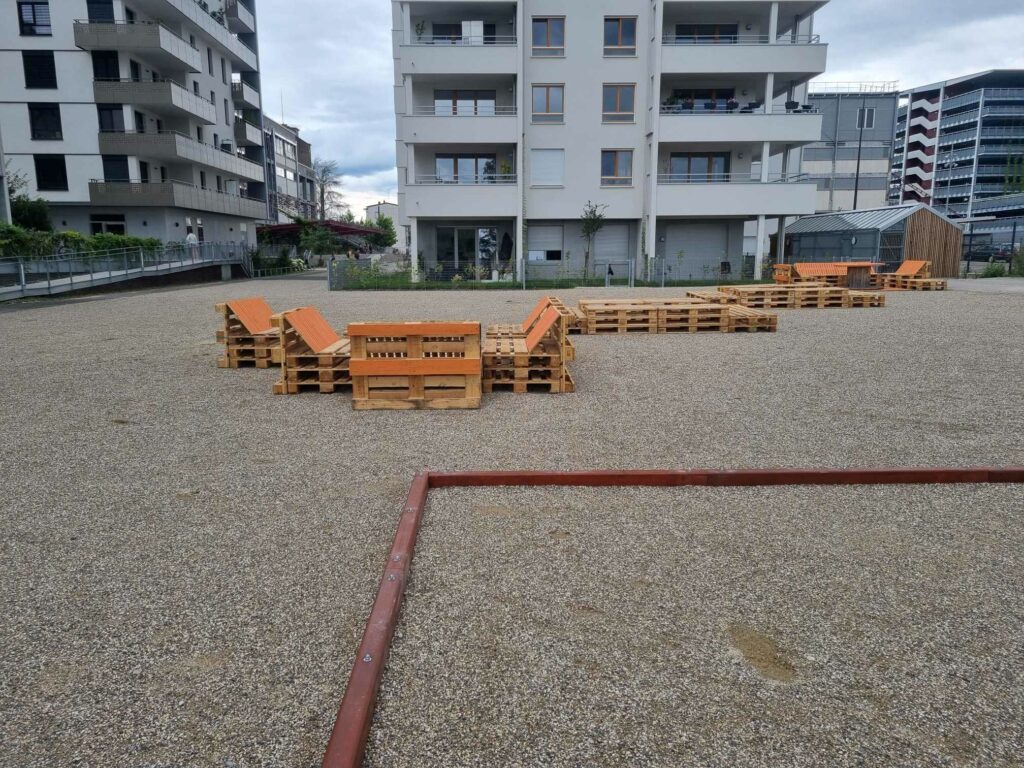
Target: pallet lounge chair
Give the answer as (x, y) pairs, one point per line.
(559, 331)
(415, 365)
(906, 272)
(314, 357)
(248, 336)
(532, 363)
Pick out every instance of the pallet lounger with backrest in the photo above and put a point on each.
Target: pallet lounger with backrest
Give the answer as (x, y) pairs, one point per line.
(531, 363)
(248, 336)
(314, 356)
(560, 331)
(415, 365)
(908, 270)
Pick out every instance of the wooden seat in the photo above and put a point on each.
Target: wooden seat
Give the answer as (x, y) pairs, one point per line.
(531, 362)
(248, 336)
(912, 269)
(313, 356)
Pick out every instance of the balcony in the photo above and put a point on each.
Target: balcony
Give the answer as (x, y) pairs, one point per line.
(238, 17)
(176, 147)
(494, 55)
(735, 195)
(162, 96)
(790, 57)
(243, 57)
(244, 95)
(491, 195)
(740, 125)
(173, 194)
(441, 124)
(158, 44)
(247, 134)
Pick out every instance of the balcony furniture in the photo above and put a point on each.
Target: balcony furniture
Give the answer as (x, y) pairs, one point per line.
(732, 105)
(792, 106)
(709, 106)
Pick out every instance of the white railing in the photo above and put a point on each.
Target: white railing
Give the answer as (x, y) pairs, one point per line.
(673, 39)
(732, 108)
(466, 40)
(463, 110)
(729, 178)
(475, 179)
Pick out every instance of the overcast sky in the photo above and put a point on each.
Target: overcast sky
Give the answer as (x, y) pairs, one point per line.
(331, 64)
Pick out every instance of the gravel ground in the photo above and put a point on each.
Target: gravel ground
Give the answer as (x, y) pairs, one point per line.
(188, 560)
(711, 627)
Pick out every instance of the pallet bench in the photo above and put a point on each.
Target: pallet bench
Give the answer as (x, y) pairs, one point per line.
(313, 356)
(534, 362)
(863, 299)
(415, 365)
(248, 336)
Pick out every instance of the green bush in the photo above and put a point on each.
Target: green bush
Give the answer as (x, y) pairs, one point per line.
(31, 214)
(109, 242)
(18, 242)
(994, 270)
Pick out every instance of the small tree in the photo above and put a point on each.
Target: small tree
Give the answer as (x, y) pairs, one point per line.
(327, 176)
(591, 222)
(387, 236)
(17, 182)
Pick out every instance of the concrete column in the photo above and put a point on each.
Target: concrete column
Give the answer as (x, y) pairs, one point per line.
(773, 23)
(766, 149)
(414, 249)
(769, 92)
(780, 251)
(407, 23)
(225, 272)
(520, 245)
(759, 248)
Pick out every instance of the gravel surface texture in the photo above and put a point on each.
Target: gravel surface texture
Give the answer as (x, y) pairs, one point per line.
(188, 560)
(729, 627)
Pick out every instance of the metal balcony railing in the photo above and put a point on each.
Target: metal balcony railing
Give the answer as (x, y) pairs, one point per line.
(673, 39)
(466, 40)
(729, 178)
(463, 110)
(474, 179)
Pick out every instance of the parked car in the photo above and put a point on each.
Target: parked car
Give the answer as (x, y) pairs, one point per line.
(989, 252)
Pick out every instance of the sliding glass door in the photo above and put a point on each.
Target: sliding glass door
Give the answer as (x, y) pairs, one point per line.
(466, 251)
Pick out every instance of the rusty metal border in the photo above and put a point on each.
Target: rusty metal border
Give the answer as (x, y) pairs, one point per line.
(347, 744)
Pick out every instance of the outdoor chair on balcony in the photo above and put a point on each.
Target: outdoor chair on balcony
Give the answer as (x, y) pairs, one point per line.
(709, 106)
(792, 106)
(732, 105)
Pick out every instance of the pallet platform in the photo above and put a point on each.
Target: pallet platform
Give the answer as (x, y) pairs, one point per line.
(415, 365)
(863, 299)
(752, 320)
(248, 336)
(713, 297)
(314, 358)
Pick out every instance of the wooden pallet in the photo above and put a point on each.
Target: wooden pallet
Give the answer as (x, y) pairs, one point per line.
(789, 296)
(415, 365)
(713, 297)
(537, 357)
(313, 356)
(524, 386)
(925, 284)
(863, 299)
(752, 320)
(248, 336)
(693, 318)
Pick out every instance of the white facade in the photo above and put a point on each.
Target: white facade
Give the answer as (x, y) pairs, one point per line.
(125, 115)
(682, 119)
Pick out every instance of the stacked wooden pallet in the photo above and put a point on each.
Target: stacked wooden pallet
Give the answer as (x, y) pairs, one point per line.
(415, 365)
(531, 357)
(313, 356)
(793, 296)
(924, 284)
(248, 336)
(680, 315)
(752, 320)
(863, 299)
(713, 297)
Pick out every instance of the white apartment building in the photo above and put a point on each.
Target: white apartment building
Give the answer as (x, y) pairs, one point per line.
(137, 117)
(682, 119)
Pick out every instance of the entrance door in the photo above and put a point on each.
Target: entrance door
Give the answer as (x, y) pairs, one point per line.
(446, 255)
(466, 255)
(460, 249)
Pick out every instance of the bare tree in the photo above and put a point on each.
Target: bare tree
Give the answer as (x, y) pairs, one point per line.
(327, 176)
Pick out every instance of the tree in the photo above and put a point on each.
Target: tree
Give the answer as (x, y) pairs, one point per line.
(591, 222)
(17, 182)
(387, 236)
(327, 177)
(31, 214)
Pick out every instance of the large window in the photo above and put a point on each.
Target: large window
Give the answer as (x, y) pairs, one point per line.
(618, 104)
(464, 102)
(51, 173)
(702, 99)
(706, 34)
(547, 167)
(40, 70)
(115, 168)
(107, 223)
(102, 11)
(465, 169)
(105, 65)
(619, 36)
(35, 19)
(687, 167)
(866, 118)
(111, 117)
(44, 122)
(549, 36)
(548, 103)
(616, 167)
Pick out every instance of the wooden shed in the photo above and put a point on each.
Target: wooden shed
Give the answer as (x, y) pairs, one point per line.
(888, 236)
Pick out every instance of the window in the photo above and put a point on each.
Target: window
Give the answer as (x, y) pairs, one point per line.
(202, 179)
(547, 167)
(460, 102)
(40, 70)
(102, 11)
(144, 171)
(51, 173)
(279, 171)
(706, 34)
(105, 65)
(548, 103)
(209, 61)
(115, 168)
(616, 167)
(220, 184)
(109, 223)
(129, 14)
(111, 117)
(465, 169)
(140, 122)
(450, 32)
(701, 100)
(617, 105)
(44, 122)
(213, 99)
(223, 70)
(619, 36)
(866, 118)
(199, 134)
(227, 113)
(549, 36)
(691, 167)
(544, 243)
(35, 19)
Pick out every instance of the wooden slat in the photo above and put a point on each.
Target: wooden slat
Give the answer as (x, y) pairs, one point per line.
(312, 327)
(254, 313)
(413, 329)
(415, 367)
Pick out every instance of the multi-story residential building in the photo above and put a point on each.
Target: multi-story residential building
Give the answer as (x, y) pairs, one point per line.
(957, 145)
(851, 162)
(291, 185)
(673, 116)
(127, 115)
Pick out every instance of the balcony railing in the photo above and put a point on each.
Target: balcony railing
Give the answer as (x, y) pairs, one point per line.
(672, 39)
(463, 110)
(160, 93)
(148, 37)
(466, 40)
(173, 194)
(729, 178)
(476, 179)
(179, 146)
